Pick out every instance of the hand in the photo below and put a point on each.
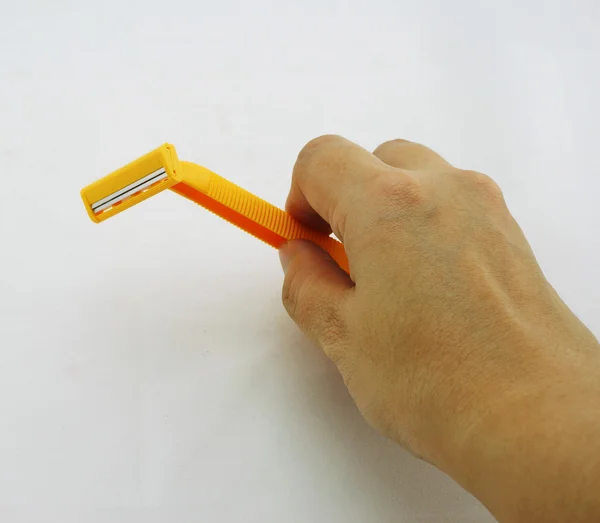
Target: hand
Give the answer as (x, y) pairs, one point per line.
(446, 331)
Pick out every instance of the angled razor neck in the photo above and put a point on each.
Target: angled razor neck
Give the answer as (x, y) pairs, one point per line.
(196, 176)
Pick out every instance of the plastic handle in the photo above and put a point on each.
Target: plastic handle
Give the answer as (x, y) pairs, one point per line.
(257, 216)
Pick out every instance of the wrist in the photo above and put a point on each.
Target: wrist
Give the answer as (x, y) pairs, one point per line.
(536, 451)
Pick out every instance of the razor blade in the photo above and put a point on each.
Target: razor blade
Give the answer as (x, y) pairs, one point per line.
(132, 184)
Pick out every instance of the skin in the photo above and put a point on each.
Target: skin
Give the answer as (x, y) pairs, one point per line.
(447, 334)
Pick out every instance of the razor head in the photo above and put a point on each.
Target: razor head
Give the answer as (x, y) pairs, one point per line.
(134, 183)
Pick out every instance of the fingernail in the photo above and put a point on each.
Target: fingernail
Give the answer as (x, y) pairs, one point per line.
(284, 257)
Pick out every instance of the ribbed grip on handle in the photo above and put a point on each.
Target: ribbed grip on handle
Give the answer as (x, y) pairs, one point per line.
(258, 217)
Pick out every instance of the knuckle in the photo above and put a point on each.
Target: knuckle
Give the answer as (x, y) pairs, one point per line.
(391, 146)
(323, 140)
(321, 319)
(399, 190)
(287, 297)
(338, 221)
(312, 150)
(290, 291)
(483, 183)
(305, 310)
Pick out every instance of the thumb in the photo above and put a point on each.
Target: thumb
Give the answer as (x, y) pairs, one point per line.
(315, 292)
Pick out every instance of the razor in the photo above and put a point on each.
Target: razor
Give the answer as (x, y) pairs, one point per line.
(161, 169)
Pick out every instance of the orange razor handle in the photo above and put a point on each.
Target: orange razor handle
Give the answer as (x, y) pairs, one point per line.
(257, 216)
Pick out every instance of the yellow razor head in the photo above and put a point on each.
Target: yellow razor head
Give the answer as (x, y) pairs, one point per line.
(134, 183)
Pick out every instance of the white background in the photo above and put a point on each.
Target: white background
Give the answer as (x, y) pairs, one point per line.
(147, 369)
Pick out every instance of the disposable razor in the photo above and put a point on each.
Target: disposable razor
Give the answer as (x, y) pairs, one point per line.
(161, 169)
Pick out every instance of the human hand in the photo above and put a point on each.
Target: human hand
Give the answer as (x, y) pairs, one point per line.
(446, 329)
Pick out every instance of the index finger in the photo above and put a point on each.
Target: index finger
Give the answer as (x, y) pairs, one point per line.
(329, 175)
